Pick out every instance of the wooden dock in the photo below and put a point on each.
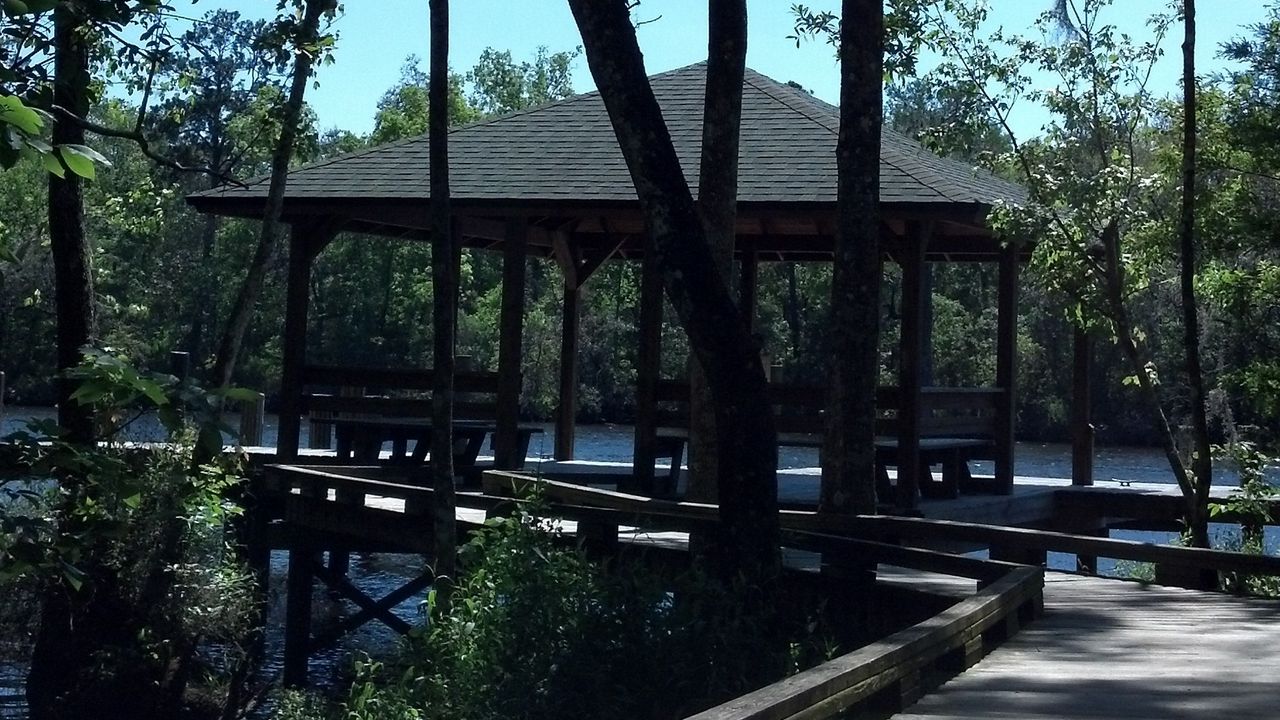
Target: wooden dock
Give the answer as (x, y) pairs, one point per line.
(1114, 649)
(1106, 648)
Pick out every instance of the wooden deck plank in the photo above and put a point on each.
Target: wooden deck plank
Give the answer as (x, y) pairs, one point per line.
(1112, 649)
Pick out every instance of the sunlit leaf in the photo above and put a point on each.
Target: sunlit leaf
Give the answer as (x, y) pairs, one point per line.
(13, 112)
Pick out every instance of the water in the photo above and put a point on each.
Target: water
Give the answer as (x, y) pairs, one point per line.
(378, 575)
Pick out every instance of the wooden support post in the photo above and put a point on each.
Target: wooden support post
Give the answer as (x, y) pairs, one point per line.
(648, 371)
(297, 621)
(749, 286)
(506, 439)
(566, 413)
(1006, 366)
(180, 365)
(2, 396)
(252, 420)
(305, 242)
(255, 548)
(911, 343)
(1081, 412)
(926, 325)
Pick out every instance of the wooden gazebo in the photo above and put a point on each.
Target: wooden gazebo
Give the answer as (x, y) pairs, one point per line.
(551, 181)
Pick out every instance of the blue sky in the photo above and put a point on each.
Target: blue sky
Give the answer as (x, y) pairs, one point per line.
(375, 36)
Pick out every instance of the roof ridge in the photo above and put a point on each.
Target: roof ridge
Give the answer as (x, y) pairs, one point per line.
(752, 78)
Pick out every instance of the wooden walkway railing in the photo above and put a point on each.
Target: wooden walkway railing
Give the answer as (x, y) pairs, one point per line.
(883, 677)
(890, 674)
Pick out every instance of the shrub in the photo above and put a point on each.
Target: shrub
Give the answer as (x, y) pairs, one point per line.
(536, 629)
(125, 544)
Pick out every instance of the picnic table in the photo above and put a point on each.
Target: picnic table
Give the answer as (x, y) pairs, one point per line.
(952, 453)
(361, 440)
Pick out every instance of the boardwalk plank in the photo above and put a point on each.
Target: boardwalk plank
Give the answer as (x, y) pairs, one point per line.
(1107, 649)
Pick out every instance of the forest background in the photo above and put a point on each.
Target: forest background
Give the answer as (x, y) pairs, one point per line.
(166, 276)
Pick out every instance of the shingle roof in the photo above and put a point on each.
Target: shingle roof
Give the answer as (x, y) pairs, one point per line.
(566, 151)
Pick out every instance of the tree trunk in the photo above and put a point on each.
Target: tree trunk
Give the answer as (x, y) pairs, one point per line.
(56, 643)
(72, 274)
(717, 206)
(1201, 452)
(848, 473)
(224, 363)
(747, 457)
(444, 274)
(194, 342)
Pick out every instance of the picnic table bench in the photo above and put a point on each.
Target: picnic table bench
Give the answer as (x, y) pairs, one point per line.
(956, 426)
(360, 440)
(951, 453)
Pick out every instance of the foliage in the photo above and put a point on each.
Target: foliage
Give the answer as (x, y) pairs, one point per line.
(501, 85)
(135, 545)
(1250, 505)
(536, 629)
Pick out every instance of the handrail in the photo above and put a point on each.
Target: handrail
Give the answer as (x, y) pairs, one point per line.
(399, 378)
(918, 529)
(832, 688)
(915, 530)
(885, 671)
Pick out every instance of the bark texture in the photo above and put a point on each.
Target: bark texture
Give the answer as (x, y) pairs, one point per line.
(48, 687)
(717, 206)
(268, 248)
(848, 473)
(1201, 451)
(721, 342)
(444, 274)
(72, 273)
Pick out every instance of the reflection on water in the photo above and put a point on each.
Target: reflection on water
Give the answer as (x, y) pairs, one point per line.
(378, 575)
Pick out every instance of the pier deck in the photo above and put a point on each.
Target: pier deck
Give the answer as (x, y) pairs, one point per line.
(1113, 649)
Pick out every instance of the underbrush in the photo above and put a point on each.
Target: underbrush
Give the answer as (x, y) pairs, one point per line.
(538, 629)
(128, 600)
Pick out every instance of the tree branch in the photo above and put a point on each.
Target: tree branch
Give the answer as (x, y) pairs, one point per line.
(144, 144)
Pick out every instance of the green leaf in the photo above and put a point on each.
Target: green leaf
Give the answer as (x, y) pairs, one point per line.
(80, 159)
(240, 394)
(13, 112)
(152, 390)
(73, 575)
(52, 164)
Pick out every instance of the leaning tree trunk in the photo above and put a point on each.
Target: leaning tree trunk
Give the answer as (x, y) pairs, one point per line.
(444, 293)
(224, 363)
(717, 205)
(848, 473)
(720, 339)
(1201, 452)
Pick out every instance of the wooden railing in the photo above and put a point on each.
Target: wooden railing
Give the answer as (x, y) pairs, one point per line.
(946, 412)
(380, 392)
(887, 675)
(1175, 565)
(890, 674)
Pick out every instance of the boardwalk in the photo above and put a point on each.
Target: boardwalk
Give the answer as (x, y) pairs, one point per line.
(1110, 649)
